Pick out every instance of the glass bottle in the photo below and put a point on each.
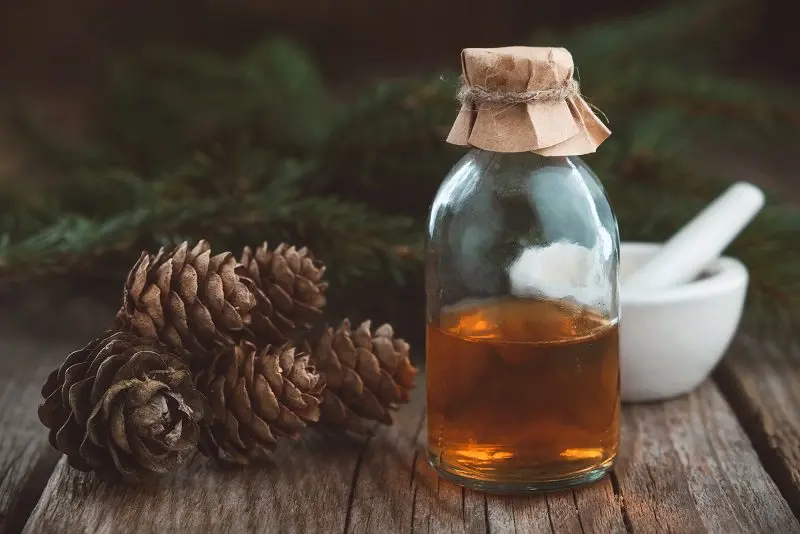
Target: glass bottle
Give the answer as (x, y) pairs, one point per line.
(522, 348)
(522, 335)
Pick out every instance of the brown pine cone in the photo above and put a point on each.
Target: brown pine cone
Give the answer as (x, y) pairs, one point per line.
(256, 395)
(289, 291)
(366, 375)
(123, 407)
(190, 300)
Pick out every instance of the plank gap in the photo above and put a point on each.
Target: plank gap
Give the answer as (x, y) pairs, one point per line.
(626, 520)
(514, 519)
(31, 491)
(549, 514)
(415, 439)
(352, 494)
(577, 510)
(413, 468)
(413, 507)
(754, 428)
(486, 514)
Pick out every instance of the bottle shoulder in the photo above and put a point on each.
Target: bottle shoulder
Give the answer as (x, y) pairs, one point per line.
(480, 170)
(488, 184)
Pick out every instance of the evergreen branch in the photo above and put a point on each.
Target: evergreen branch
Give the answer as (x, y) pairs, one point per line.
(278, 211)
(237, 150)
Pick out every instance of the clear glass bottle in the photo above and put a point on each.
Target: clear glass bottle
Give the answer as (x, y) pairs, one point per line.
(522, 335)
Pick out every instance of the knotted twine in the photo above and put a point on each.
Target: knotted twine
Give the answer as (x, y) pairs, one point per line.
(473, 95)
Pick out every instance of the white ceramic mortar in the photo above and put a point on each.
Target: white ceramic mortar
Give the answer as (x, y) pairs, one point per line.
(672, 338)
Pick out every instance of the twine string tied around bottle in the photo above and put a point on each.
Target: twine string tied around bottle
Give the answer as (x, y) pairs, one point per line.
(474, 95)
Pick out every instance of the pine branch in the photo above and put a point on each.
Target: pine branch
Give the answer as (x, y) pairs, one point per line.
(355, 239)
(244, 149)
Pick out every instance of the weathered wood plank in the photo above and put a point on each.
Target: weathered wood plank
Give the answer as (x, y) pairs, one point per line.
(591, 509)
(384, 489)
(693, 470)
(687, 466)
(23, 444)
(26, 358)
(306, 490)
(760, 378)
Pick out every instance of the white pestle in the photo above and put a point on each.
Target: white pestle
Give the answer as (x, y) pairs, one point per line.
(701, 241)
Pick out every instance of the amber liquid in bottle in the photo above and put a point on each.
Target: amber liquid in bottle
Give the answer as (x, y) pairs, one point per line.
(522, 394)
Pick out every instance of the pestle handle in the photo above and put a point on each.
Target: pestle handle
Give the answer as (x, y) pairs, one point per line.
(701, 241)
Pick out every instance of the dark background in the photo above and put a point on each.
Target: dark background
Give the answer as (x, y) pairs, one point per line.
(54, 57)
(57, 48)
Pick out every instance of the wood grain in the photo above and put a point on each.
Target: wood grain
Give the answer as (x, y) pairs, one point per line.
(26, 358)
(692, 469)
(761, 380)
(25, 456)
(305, 491)
(687, 466)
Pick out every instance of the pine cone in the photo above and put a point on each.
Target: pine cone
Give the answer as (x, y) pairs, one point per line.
(366, 375)
(289, 291)
(256, 394)
(123, 407)
(190, 300)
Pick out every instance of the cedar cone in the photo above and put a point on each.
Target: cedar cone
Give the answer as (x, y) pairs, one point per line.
(190, 300)
(124, 407)
(366, 375)
(289, 291)
(256, 394)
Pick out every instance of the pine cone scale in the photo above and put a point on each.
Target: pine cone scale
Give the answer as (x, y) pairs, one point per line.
(143, 324)
(67, 438)
(186, 286)
(202, 324)
(52, 410)
(102, 376)
(288, 291)
(309, 313)
(292, 398)
(240, 297)
(229, 317)
(263, 434)
(80, 396)
(216, 262)
(214, 294)
(239, 402)
(385, 351)
(289, 424)
(137, 277)
(282, 301)
(162, 277)
(72, 376)
(265, 401)
(116, 426)
(247, 389)
(367, 374)
(124, 407)
(187, 298)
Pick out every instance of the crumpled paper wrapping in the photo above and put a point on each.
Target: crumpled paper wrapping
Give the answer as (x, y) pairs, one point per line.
(565, 127)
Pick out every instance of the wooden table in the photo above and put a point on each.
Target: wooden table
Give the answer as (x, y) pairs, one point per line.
(723, 459)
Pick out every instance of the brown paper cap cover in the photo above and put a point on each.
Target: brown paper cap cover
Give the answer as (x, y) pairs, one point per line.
(565, 127)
